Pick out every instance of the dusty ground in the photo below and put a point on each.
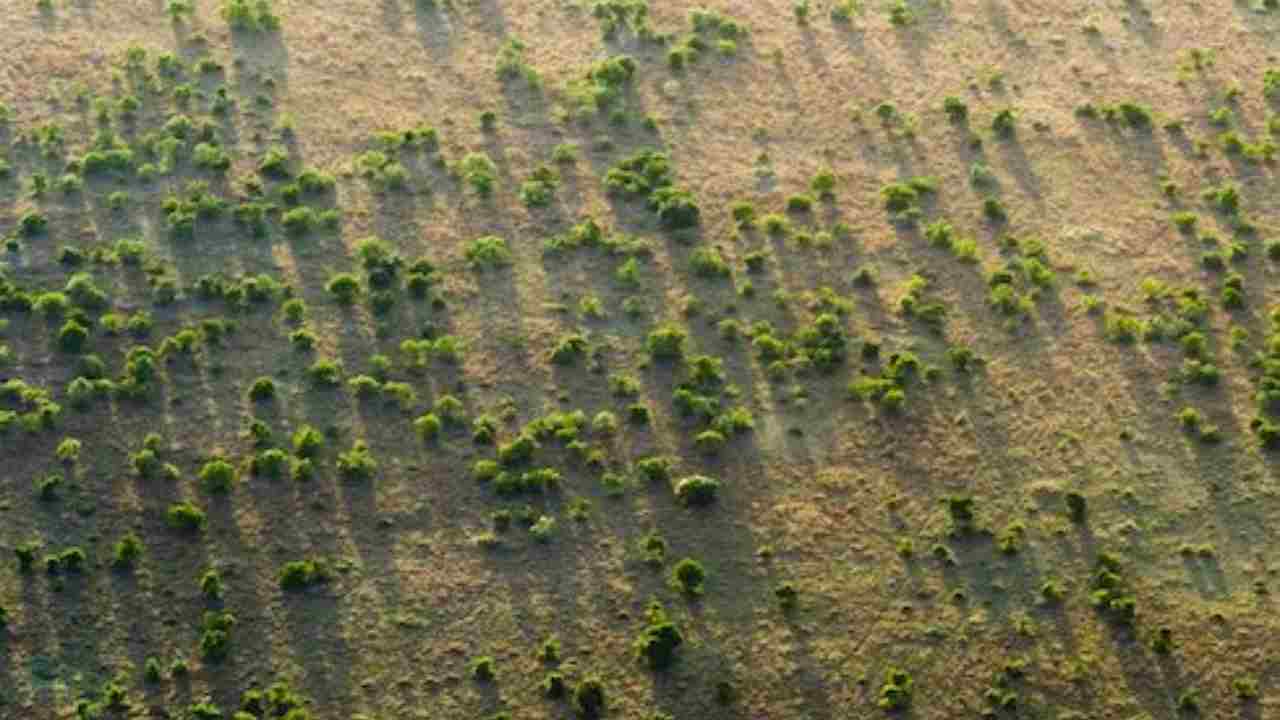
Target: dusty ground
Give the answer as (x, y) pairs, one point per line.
(838, 497)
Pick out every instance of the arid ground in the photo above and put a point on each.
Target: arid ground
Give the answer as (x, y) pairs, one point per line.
(639, 359)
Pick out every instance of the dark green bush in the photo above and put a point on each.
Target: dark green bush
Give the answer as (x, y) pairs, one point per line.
(263, 389)
(1004, 123)
(127, 551)
(215, 640)
(307, 441)
(659, 640)
(357, 464)
(185, 516)
(483, 669)
(26, 554)
(666, 342)
(217, 476)
(697, 490)
(302, 574)
(589, 698)
(897, 690)
(688, 576)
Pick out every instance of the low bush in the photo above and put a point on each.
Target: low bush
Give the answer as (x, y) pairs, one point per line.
(666, 342)
(127, 551)
(589, 698)
(357, 464)
(185, 517)
(217, 476)
(302, 574)
(897, 690)
(688, 576)
(659, 639)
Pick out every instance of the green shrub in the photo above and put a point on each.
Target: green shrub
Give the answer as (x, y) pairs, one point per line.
(48, 486)
(589, 698)
(479, 171)
(520, 450)
(428, 426)
(697, 490)
(72, 337)
(250, 15)
(677, 208)
(127, 551)
(307, 441)
(897, 690)
(325, 373)
(217, 476)
(994, 210)
(823, 184)
(215, 640)
(688, 576)
(262, 389)
(539, 189)
(299, 221)
(659, 639)
(211, 585)
(709, 263)
(357, 464)
(569, 349)
(302, 574)
(1004, 123)
(553, 686)
(185, 516)
(488, 252)
(483, 669)
(270, 463)
(955, 108)
(344, 287)
(666, 342)
(26, 554)
(656, 469)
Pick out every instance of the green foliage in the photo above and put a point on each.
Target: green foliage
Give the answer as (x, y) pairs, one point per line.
(1004, 123)
(488, 252)
(696, 490)
(659, 639)
(357, 464)
(262, 389)
(185, 517)
(217, 476)
(127, 551)
(215, 638)
(897, 690)
(688, 576)
(589, 698)
(479, 171)
(666, 342)
(250, 15)
(302, 574)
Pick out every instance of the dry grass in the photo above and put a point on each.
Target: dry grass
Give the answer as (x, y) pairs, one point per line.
(836, 496)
